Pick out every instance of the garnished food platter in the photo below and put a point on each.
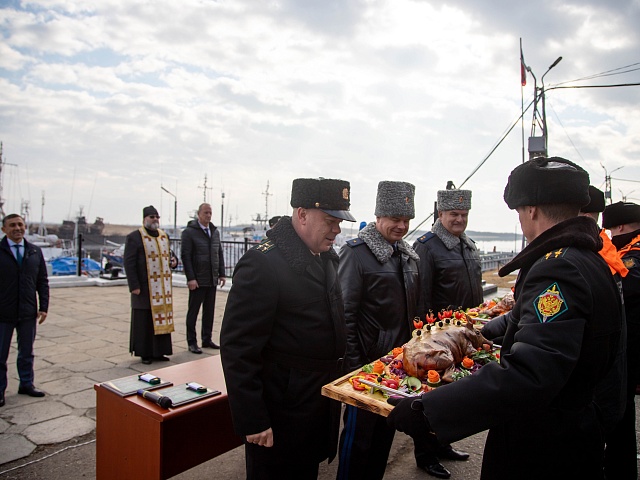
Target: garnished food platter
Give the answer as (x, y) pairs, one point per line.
(443, 349)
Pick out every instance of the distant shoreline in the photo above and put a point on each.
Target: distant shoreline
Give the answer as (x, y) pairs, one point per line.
(112, 229)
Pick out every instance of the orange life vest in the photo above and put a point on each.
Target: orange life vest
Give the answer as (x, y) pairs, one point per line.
(632, 245)
(612, 256)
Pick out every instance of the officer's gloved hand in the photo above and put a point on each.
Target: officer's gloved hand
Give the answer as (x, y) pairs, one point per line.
(408, 417)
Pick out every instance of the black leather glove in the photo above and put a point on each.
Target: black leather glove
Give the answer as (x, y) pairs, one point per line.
(408, 416)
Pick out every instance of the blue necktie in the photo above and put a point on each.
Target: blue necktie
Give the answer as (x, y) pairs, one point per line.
(206, 230)
(18, 254)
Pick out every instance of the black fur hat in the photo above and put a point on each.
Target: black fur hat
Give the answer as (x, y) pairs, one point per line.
(597, 201)
(544, 181)
(620, 213)
(329, 195)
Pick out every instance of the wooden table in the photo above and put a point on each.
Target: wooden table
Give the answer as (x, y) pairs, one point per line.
(136, 439)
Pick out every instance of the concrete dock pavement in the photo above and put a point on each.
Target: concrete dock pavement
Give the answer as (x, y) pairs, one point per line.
(85, 340)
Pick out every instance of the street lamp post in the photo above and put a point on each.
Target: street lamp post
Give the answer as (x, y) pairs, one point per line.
(222, 216)
(175, 211)
(538, 146)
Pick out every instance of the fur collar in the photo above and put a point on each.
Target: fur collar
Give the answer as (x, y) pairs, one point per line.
(382, 249)
(293, 248)
(578, 232)
(449, 239)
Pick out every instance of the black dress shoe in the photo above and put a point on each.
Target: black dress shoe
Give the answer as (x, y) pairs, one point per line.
(451, 454)
(161, 359)
(146, 360)
(194, 349)
(437, 470)
(210, 344)
(31, 391)
(2, 399)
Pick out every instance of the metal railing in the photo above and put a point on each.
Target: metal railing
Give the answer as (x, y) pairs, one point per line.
(493, 261)
(234, 250)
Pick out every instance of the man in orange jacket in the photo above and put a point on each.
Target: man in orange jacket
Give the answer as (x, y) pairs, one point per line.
(608, 251)
(623, 220)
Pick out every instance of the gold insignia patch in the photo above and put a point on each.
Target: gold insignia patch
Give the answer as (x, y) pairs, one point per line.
(629, 262)
(555, 254)
(550, 304)
(345, 193)
(265, 246)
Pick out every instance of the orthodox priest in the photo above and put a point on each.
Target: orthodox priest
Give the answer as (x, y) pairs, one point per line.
(148, 261)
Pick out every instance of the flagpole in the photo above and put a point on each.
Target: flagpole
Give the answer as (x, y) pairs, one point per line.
(523, 82)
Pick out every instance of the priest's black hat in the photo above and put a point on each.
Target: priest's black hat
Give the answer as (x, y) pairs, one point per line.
(545, 181)
(596, 203)
(620, 213)
(329, 195)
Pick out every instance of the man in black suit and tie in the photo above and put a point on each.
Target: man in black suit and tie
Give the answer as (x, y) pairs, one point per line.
(24, 300)
(203, 263)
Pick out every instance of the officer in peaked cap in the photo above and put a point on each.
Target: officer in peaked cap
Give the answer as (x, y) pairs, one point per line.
(562, 338)
(284, 332)
(330, 196)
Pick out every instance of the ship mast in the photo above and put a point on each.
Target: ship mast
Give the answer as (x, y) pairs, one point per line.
(2, 164)
(266, 201)
(204, 189)
(2, 213)
(263, 221)
(42, 229)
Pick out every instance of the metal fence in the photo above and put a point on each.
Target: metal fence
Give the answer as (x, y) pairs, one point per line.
(493, 261)
(234, 250)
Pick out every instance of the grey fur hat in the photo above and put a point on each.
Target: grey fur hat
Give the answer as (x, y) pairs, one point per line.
(395, 199)
(454, 200)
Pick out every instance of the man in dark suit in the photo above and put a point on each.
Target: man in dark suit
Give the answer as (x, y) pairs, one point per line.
(204, 268)
(283, 337)
(24, 300)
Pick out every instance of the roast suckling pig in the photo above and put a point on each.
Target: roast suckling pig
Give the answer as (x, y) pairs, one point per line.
(440, 349)
(503, 306)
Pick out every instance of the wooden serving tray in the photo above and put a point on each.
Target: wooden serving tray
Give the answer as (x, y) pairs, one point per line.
(343, 391)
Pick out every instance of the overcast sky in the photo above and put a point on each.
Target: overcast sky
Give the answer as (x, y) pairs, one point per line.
(103, 102)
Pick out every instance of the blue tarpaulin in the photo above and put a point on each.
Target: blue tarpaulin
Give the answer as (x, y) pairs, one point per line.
(68, 266)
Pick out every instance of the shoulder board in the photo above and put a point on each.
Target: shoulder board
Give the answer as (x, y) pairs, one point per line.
(635, 246)
(354, 242)
(426, 237)
(265, 246)
(560, 252)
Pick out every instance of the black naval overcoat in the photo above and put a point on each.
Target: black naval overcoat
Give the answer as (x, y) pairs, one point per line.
(562, 337)
(282, 339)
(380, 292)
(448, 277)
